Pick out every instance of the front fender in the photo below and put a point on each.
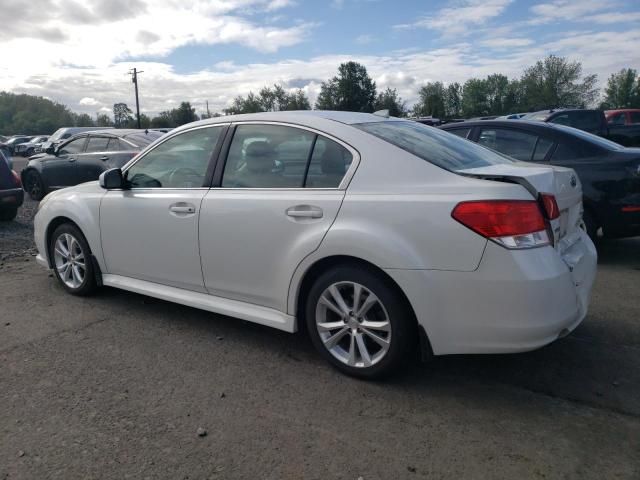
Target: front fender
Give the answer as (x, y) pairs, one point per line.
(64, 204)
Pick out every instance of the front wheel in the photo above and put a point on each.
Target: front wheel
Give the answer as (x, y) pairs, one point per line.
(72, 260)
(360, 323)
(34, 185)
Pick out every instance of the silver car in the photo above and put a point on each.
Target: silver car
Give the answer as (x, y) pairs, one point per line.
(381, 237)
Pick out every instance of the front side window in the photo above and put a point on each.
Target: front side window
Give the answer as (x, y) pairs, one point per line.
(97, 144)
(513, 143)
(180, 162)
(276, 156)
(74, 146)
(635, 117)
(617, 119)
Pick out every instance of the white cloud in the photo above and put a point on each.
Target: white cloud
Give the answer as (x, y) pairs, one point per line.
(88, 101)
(566, 10)
(457, 19)
(506, 42)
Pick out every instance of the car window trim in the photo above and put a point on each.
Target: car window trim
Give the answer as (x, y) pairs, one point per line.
(73, 139)
(213, 159)
(222, 161)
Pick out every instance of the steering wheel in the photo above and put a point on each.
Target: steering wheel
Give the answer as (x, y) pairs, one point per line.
(182, 171)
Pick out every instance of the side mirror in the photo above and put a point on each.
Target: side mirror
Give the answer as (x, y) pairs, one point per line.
(111, 179)
(50, 150)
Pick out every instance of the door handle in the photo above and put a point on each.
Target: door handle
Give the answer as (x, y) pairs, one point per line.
(71, 159)
(304, 211)
(104, 159)
(182, 208)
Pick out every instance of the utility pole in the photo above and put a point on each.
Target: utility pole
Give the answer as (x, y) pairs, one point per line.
(134, 78)
(208, 112)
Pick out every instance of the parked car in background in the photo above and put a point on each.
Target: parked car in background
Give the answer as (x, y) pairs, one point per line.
(382, 235)
(32, 146)
(624, 116)
(11, 194)
(14, 141)
(512, 116)
(610, 173)
(64, 133)
(592, 121)
(83, 158)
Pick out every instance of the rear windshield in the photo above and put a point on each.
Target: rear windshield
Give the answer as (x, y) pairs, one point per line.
(143, 139)
(433, 145)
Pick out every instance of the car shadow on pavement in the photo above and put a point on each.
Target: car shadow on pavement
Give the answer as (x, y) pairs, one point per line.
(623, 252)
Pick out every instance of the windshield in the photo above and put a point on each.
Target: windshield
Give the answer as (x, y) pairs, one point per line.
(433, 145)
(57, 134)
(143, 139)
(589, 137)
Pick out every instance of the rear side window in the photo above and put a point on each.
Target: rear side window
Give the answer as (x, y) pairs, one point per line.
(617, 119)
(276, 156)
(542, 148)
(514, 143)
(635, 117)
(433, 145)
(115, 145)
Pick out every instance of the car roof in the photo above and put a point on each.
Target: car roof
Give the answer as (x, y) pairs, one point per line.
(302, 117)
(123, 132)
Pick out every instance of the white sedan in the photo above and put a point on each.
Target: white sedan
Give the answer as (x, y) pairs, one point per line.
(382, 237)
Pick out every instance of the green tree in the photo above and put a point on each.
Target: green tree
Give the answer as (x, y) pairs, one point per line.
(162, 120)
(497, 86)
(103, 120)
(251, 104)
(557, 82)
(122, 115)
(623, 89)
(31, 115)
(185, 113)
(390, 100)
(84, 120)
(432, 100)
(351, 90)
(453, 100)
(474, 98)
(269, 100)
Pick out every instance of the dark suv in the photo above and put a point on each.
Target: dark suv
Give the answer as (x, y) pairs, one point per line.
(610, 173)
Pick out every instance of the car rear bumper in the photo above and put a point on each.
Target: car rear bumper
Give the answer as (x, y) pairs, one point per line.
(12, 197)
(517, 300)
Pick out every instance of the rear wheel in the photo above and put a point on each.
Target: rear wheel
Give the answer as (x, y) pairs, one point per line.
(34, 185)
(72, 260)
(8, 213)
(360, 323)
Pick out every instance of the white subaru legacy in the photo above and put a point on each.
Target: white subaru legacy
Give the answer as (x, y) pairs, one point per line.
(381, 237)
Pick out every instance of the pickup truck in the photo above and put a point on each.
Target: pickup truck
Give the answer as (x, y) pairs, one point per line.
(592, 121)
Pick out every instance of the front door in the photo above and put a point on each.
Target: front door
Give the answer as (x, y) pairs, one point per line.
(150, 230)
(61, 170)
(280, 191)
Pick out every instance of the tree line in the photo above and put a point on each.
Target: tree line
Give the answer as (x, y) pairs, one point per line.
(550, 83)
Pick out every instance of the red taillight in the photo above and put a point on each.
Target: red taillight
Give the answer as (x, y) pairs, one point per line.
(631, 208)
(550, 205)
(16, 178)
(512, 223)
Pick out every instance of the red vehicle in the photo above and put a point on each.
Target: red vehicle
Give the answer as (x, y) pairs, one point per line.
(623, 116)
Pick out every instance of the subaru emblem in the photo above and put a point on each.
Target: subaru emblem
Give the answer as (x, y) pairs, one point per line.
(574, 181)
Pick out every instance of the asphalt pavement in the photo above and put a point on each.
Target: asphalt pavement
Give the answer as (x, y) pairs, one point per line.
(119, 385)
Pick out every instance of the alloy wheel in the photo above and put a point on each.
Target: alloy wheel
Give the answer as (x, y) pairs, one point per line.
(353, 324)
(70, 260)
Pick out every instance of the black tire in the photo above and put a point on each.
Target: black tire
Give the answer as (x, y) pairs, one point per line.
(591, 225)
(403, 329)
(88, 284)
(34, 185)
(8, 213)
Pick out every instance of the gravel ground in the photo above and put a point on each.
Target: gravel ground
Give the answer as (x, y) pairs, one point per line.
(120, 385)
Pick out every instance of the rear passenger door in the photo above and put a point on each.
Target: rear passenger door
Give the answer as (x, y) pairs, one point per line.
(277, 194)
(95, 158)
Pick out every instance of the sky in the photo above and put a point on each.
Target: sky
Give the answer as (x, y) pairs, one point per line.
(80, 52)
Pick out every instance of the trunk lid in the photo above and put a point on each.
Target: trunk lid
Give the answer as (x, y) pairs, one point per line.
(562, 182)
